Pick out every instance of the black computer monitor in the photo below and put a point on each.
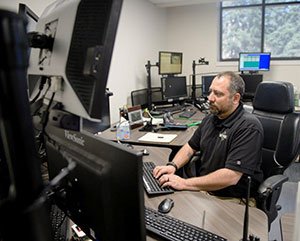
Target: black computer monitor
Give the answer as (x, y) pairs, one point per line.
(170, 63)
(253, 62)
(104, 193)
(206, 82)
(78, 38)
(32, 19)
(251, 83)
(174, 88)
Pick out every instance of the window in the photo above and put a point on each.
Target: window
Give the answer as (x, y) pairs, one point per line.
(260, 26)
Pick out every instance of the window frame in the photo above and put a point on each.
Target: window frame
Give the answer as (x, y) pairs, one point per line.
(263, 6)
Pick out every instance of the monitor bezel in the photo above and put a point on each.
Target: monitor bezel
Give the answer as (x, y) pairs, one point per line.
(24, 9)
(159, 62)
(257, 53)
(169, 98)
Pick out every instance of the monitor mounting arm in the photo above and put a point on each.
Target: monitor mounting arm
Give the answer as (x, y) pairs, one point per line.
(201, 61)
(149, 90)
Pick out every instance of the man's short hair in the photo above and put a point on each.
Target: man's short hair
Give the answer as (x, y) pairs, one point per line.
(237, 84)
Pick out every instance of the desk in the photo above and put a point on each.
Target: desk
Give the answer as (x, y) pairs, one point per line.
(287, 222)
(222, 217)
(183, 136)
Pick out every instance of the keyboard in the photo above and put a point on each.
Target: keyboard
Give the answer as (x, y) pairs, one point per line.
(188, 113)
(175, 126)
(170, 228)
(59, 223)
(172, 109)
(151, 184)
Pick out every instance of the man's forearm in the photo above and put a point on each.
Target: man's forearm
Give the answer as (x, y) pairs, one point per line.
(216, 180)
(183, 155)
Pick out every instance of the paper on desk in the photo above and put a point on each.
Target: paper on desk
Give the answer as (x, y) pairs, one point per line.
(157, 138)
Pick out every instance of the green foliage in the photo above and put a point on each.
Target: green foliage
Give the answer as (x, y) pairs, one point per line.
(242, 29)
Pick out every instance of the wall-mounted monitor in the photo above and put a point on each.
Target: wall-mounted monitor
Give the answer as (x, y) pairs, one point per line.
(254, 62)
(174, 88)
(170, 63)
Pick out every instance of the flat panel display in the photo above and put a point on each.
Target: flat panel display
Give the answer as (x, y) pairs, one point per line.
(174, 87)
(206, 82)
(170, 63)
(254, 61)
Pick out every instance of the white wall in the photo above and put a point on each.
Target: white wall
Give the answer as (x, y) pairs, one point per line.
(141, 34)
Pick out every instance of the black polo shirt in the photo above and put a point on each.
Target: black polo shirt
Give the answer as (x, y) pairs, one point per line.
(234, 143)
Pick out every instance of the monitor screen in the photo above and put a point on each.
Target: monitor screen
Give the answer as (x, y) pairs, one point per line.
(170, 63)
(254, 61)
(174, 88)
(206, 82)
(251, 83)
(104, 193)
(78, 38)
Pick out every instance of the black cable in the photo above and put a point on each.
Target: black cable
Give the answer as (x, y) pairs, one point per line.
(42, 83)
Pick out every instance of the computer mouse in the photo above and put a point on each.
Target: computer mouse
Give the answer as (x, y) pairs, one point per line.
(166, 205)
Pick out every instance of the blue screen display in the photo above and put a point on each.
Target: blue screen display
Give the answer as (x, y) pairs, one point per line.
(254, 61)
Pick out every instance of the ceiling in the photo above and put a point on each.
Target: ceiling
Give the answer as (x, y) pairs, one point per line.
(174, 3)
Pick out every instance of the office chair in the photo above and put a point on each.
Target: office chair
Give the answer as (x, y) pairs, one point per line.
(139, 97)
(273, 105)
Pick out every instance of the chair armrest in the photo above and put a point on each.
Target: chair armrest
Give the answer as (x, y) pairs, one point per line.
(188, 168)
(268, 194)
(272, 183)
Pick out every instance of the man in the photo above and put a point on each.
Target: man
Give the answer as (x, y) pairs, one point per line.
(229, 140)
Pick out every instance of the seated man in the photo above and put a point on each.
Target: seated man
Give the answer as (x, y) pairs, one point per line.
(229, 140)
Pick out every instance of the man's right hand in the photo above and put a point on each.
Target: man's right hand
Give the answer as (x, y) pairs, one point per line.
(161, 170)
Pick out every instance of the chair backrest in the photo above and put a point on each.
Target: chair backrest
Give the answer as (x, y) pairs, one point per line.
(139, 97)
(274, 106)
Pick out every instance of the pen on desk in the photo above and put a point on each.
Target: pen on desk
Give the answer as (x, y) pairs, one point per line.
(203, 219)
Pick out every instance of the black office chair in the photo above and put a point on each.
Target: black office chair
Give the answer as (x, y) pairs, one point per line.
(274, 106)
(139, 97)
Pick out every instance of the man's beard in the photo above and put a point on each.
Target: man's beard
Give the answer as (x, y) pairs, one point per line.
(214, 109)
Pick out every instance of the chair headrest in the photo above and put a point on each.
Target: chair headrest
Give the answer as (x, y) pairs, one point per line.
(274, 96)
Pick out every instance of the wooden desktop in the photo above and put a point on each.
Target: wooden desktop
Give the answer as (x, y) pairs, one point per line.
(183, 136)
(222, 217)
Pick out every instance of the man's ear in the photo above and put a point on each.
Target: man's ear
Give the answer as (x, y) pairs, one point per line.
(236, 98)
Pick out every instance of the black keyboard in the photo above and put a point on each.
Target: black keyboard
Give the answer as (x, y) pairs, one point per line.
(60, 224)
(170, 228)
(188, 113)
(172, 109)
(151, 183)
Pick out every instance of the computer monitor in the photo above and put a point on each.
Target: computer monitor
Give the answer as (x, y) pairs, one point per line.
(32, 19)
(104, 193)
(30, 16)
(254, 62)
(78, 38)
(251, 83)
(174, 88)
(170, 63)
(206, 82)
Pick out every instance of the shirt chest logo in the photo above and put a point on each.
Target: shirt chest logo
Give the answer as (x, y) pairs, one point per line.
(223, 136)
